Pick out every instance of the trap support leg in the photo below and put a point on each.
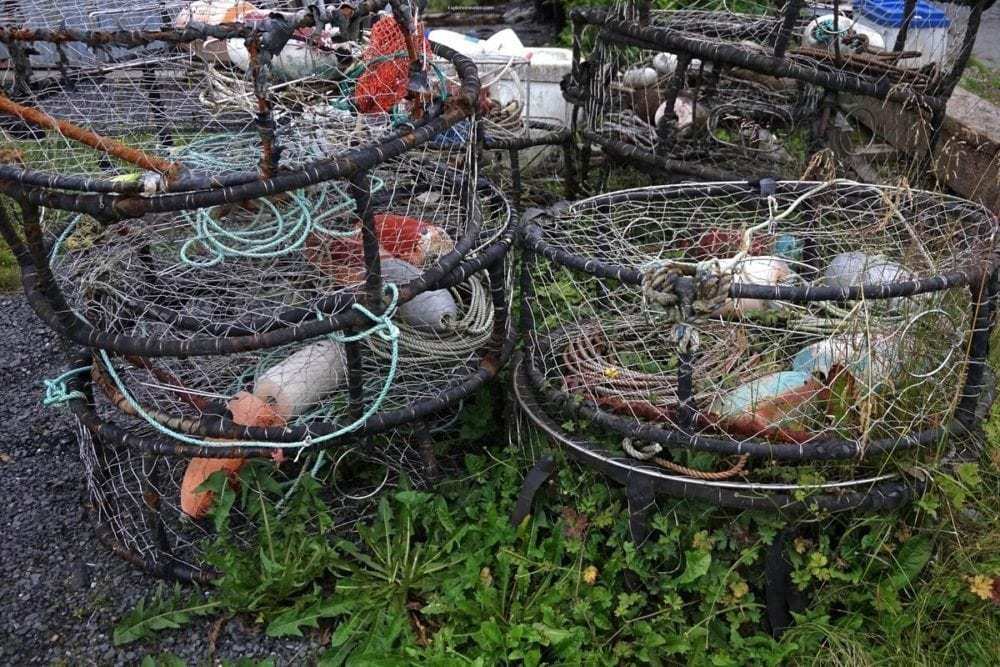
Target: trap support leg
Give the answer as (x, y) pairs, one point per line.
(537, 476)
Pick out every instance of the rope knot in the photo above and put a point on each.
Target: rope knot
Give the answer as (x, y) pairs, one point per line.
(382, 325)
(56, 391)
(703, 287)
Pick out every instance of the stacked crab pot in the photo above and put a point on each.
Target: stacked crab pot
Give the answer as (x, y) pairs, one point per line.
(243, 220)
(709, 93)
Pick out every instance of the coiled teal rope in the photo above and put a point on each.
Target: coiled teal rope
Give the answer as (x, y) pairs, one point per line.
(271, 232)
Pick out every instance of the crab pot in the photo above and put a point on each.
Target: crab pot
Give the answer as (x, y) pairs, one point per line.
(259, 261)
(516, 140)
(115, 114)
(351, 416)
(349, 407)
(647, 68)
(794, 346)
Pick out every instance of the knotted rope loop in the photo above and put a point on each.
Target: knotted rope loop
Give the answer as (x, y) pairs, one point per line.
(641, 453)
(686, 338)
(707, 287)
(382, 325)
(56, 391)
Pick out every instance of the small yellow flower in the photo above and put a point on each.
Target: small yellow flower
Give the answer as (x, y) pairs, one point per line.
(590, 575)
(739, 588)
(702, 541)
(801, 545)
(486, 577)
(981, 586)
(611, 373)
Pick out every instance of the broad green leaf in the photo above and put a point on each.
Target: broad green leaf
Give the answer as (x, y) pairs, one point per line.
(696, 564)
(291, 622)
(910, 560)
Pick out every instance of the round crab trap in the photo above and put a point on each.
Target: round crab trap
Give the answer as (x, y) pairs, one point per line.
(345, 413)
(801, 63)
(111, 117)
(352, 409)
(280, 261)
(797, 346)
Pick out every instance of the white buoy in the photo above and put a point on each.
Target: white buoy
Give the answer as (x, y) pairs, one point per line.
(664, 63)
(759, 271)
(877, 356)
(640, 77)
(297, 60)
(303, 379)
(213, 12)
(683, 108)
(850, 269)
(820, 33)
(433, 310)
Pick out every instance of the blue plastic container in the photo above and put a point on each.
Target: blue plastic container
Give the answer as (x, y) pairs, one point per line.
(890, 13)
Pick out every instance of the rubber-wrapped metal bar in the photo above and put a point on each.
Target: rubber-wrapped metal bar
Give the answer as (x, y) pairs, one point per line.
(570, 181)
(515, 178)
(909, 7)
(665, 39)
(789, 16)
(169, 568)
(39, 269)
(260, 66)
(880, 496)
(946, 85)
(9, 234)
(666, 128)
(797, 294)
(638, 156)
(527, 318)
(983, 295)
(554, 135)
(822, 450)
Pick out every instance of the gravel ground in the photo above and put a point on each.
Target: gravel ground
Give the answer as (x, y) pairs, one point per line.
(61, 591)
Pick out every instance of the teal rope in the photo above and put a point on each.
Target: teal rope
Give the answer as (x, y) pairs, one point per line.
(271, 233)
(382, 326)
(56, 391)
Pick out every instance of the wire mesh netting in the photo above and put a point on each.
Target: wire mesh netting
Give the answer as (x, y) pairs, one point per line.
(136, 507)
(96, 98)
(718, 331)
(727, 123)
(868, 44)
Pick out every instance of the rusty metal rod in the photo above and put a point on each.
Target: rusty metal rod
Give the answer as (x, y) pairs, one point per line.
(88, 138)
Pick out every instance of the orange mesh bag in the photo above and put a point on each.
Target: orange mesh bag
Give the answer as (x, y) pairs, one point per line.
(384, 82)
